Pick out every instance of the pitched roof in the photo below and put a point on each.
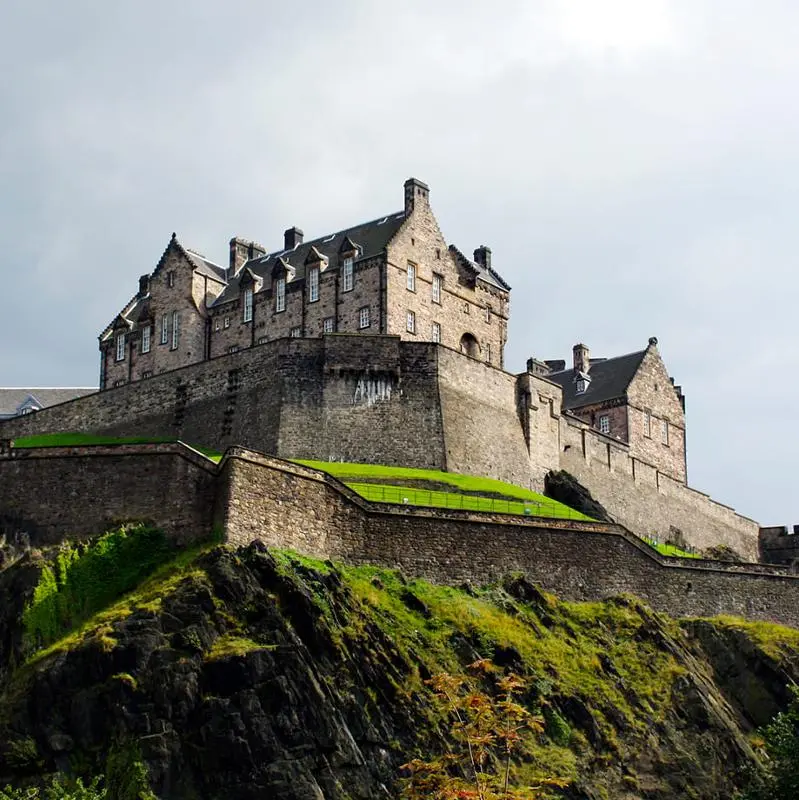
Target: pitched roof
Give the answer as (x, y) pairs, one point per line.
(371, 237)
(480, 271)
(610, 378)
(11, 399)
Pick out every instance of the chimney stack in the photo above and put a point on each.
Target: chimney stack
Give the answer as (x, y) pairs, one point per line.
(144, 285)
(582, 362)
(291, 238)
(416, 194)
(482, 256)
(241, 251)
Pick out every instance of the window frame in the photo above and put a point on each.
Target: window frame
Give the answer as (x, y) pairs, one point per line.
(249, 301)
(410, 277)
(435, 288)
(280, 294)
(164, 328)
(329, 323)
(648, 424)
(410, 321)
(488, 315)
(170, 279)
(175, 330)
(604, 423)
(313, 285)
(145, 338)
(435, 332)
(295, 332)
(348, 274)
(664, 432)
(120, 345)
(364, 318)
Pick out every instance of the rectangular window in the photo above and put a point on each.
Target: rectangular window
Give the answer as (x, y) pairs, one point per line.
(604, 424)
(120, 347)
(647, 423)
(248, 304)
(170, 278)
(145, 339)
(410, 322)
(148, 373)
(328, 326)
(175, 329)
(313, 285)
(436, 332)
(280, 294)
(217, 324)
(234, 348)
(488, 313)
(165, 329)
(664, 431)
(263, 339)
(436, 288)
(295, 333)
(347, 276)
(411, 278)
(227, 322)
(488, 352)
(363, 317)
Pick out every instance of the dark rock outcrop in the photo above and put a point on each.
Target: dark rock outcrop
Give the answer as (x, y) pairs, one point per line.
(565, 488)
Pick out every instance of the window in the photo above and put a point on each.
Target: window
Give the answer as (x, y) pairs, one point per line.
(436, 332)
(347, 278)
(664, 431)
(363, 317)
(466, 307)
(328, 326)
(263, 339)
(145, 339)
(488, 352)
(26, 410)
(436, 288)
(295, 333)
(217, 324)
(227, 322)
(410, 322)
(170, 278)
(120, 347)
(234, 348)
(175, 329)
(148, 373)
(488, 314)
(411, 278)
(248, 304)
(165, 329)
(280, 294)
(604, 424)
(647, 423)
(582, 385)
(313, 285)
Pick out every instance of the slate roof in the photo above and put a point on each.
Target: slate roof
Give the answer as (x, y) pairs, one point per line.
(12, 399)
(370, 237)
(483, 273)
(204, 266)
(610, 378)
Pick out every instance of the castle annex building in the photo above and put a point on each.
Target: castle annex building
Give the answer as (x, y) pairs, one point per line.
(393, 275)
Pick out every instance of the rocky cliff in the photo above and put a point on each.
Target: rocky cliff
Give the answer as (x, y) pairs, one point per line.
(250, 674)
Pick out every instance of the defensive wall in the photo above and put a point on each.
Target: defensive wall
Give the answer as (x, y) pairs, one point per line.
(51, 494)
(354, 397)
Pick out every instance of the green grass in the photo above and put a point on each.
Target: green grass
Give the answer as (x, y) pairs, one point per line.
(669, 549)
(381, 488)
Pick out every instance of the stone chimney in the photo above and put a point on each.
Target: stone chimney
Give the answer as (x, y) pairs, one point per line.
(582, 362)
(416, 194)
(241, 251)
(482, 256)
(144, 285)
(291, 238)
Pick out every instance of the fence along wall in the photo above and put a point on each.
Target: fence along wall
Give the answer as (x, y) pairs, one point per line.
(648, 502)
(287, 506)
(49, 495)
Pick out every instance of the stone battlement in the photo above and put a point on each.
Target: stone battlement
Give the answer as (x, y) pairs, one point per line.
(250, 495)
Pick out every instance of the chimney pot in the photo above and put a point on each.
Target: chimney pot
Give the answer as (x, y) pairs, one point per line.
(582, 361)
(292, 238)
(483, 256)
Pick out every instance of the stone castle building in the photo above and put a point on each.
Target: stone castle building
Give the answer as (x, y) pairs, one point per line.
(393, 275)
(381, 343)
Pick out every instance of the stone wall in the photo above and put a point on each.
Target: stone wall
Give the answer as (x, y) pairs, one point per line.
(52, 494)
(648, 502)
(778, 545)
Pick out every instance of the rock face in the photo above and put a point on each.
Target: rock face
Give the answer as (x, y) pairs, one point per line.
(565, 488)
(249, 674)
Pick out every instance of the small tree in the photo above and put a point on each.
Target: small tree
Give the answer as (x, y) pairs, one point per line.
(487, 730)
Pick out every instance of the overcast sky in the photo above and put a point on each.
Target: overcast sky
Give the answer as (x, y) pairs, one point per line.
(633, 165)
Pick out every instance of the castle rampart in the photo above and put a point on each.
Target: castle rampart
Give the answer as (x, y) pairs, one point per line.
(251, 496)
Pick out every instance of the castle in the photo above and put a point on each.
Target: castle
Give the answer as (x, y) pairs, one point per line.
(381, 343)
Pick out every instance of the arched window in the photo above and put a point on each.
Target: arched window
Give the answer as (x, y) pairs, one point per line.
(470, 346)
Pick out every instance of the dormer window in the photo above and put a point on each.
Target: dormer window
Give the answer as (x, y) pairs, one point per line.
(280, 294)
(247, 315)
(582, 382)
(347, 275)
